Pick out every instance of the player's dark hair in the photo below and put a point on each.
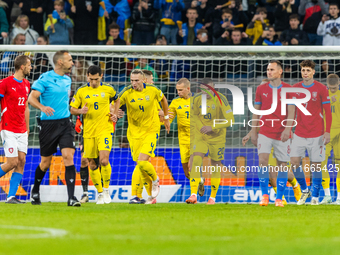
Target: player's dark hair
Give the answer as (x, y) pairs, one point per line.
(58, 55)
(94, 70)
(147, 72)
(333, 79)
(19, 61)
(308, 63)
(113, 26)
(261, 9)
(333, 3)
(207, 81)
(278, 63)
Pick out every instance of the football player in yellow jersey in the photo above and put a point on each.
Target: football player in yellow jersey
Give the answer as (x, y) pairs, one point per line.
(273, 176)
(180, 107)
(208, 137)
(144, 126)
(334, 95)
(95, 98)
(136, 181)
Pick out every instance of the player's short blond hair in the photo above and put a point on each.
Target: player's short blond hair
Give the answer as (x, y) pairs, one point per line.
(185, 82)
(333, 79)
(138, 71)
(147, 72)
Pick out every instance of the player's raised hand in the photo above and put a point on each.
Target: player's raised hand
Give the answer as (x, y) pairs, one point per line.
(206, 129)
(84, 110)
(245, 140)
(167, 125)
(326, 138)
(47, 110)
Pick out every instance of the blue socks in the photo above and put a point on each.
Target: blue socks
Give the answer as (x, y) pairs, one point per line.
(300, 177)
(317, 180)
(14, 184)
(2, 173)
(282, 178)
(263, 175)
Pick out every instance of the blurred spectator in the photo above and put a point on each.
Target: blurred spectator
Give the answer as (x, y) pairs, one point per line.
(119, 11)
(143, 64)
(58, 30)
(7, 61)
(21, 26)
(161, 66)
(294, 35)
(269, 37)
(239, 38)
(202, 37)
(79, 70)
(171, 13)
(8, 8)
(224, 39)
(329, 27)
(34, 9)
(189, 30)
(85, 16)
(257, 25)
(283, 10)
(41, 62)
(312, 10)
(114, 38)
(3, 22)
(143, 20)
(224, 23)
(239, 16)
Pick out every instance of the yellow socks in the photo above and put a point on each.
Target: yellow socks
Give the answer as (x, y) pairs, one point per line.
(136, 182)
(147, 167)
(293, 183)
(96, 179)
(106, 175)
(215, 184)
(195, 175)
(194, 185)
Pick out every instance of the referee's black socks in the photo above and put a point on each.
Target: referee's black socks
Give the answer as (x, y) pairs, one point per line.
(84, 176)
(39, 175)
(70, 177)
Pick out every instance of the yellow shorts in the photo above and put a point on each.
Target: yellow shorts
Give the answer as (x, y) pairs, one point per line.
(216, 150)
(185, 152)
(334, 144)
(145, 145)
(92, 146)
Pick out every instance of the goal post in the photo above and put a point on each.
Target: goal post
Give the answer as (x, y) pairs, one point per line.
(240, 66)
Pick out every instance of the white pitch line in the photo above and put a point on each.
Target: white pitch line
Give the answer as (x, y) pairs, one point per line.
(48, 232)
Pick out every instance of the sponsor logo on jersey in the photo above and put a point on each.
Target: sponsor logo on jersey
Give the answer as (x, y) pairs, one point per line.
(132, 101)
(14, 89)
(147, 98)
(265, 94)
(107, 147)
(87, 97)
(179, 107)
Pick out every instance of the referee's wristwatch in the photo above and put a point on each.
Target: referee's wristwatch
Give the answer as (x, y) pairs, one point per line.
(166, 117)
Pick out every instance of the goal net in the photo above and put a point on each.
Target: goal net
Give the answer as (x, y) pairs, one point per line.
(243, 67)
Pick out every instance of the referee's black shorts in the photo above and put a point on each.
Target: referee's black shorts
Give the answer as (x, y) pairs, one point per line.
(53, 133)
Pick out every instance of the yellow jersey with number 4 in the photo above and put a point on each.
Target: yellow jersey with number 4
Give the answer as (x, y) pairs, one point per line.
(96, 121)
(142, 110)
(181, 108)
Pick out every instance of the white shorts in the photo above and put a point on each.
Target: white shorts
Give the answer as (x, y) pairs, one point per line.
(13, 143)
(281, 149)
(314, 146)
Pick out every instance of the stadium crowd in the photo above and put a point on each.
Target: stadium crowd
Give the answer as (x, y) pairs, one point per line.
(182, 22)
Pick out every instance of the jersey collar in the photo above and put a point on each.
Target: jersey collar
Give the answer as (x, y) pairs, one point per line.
(17, 80)
(307, 86)
(271, 86)
(88, 84)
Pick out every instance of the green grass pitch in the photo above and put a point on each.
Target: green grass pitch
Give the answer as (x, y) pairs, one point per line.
(170, 229)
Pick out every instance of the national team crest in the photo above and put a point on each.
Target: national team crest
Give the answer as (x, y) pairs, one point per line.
(27, 89)
(213, 107)
(315, 94)
(259, 146)
(147, 98)
(103, 94)
(11, 150)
